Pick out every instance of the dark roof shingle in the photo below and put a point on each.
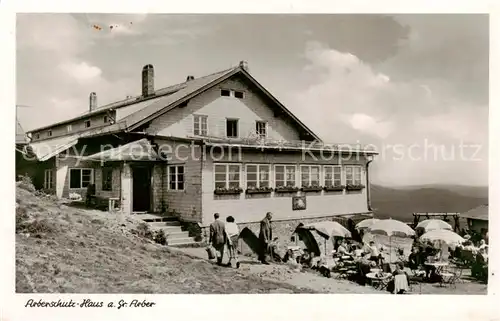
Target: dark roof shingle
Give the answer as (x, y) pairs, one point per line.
(477, 213)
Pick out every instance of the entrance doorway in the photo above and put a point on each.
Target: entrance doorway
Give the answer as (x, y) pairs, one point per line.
(141, 190)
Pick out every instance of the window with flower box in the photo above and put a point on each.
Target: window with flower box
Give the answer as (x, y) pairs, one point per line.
(227, 178)
(353, 177)
(310, 177)
(284, 178)
(258, 178)
(333, 177)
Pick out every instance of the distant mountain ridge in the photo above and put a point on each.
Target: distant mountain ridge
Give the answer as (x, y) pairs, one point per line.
(400, 202)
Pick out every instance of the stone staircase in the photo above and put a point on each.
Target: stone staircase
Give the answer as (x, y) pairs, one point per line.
(174, 233)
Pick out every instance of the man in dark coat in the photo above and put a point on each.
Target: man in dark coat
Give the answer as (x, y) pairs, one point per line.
(265, 237)
(218, 237)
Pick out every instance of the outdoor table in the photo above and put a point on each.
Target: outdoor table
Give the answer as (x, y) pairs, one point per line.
(379, 282)
(438, 265)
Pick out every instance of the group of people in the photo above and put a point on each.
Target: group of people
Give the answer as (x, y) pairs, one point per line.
(226, 235)
(370, 251)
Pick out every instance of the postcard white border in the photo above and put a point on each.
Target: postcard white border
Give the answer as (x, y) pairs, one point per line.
(243, 307)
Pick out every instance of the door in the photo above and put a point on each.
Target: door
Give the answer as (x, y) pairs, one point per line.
(141, 190)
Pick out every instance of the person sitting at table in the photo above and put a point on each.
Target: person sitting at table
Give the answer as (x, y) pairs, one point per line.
(306, 259)
(364, 264)
(478, 266)
(414, 259)
(342, 249)
(374, 253)
(482, 244)
(400, 281)
(358, 251)
(430, 270)
(483, 253)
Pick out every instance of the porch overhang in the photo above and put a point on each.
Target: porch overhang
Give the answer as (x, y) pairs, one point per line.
(296, 147)
(139, 150)
(47, 149)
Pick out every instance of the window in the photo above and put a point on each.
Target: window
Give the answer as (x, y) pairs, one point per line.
(284, 175)
(48, 181)
(353, 175)
(80, 177)
(87, 123)
(238, 94)
(69, 128)
(227, 176)
(225, 92)
(176, 177)
(333, 175)
(50, 133)
(309, 175)
(106, 119)
(232, 128)
(107, 179)
(258, 176)
(200, 127)
(37, 136)
(261, 129)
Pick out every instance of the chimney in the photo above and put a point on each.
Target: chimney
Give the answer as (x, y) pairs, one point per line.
(189, 78)
(92, 101)
(148, 87)
(244, 65)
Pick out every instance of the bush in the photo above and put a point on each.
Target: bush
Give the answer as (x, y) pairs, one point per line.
(160, 237)
(26, 184)
(143, 231)
(36, 227)
(21, 217)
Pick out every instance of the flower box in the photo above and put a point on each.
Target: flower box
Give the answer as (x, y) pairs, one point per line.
(311, 189)
(334, 188)
(228, 191)
(354, 187)
(286, 189)
(259, 190)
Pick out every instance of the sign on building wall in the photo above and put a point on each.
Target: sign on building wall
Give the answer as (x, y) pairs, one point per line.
(298, 203)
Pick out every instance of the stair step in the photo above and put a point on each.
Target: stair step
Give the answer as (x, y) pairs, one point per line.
(157, 218)
(177, 235)
(181, 241)
(165, 224)
(167, 229)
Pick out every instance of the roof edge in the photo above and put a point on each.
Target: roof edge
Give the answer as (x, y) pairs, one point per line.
(213, 83)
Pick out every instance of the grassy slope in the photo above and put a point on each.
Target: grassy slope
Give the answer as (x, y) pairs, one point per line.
(400, 203)
(83, 251)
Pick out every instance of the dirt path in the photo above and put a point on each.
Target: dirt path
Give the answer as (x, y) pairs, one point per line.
(318, 283)
(282, 273)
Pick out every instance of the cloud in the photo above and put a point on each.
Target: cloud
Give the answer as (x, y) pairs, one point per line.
(350, 101)
(60, 34)
(368, 124)
(81, 71)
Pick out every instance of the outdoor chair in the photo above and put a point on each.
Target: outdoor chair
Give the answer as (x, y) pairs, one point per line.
(450, 276)
(415, 278)
(467, 258)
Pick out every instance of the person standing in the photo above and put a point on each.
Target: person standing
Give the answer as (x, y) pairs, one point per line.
(232, 234)
(218, 237)
(265, 236)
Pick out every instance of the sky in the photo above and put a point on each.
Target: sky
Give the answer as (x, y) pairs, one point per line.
(413, 86)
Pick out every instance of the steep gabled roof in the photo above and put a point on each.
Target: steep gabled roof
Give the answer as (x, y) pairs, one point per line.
(196, 87)
(477, 213)
(137, 111)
